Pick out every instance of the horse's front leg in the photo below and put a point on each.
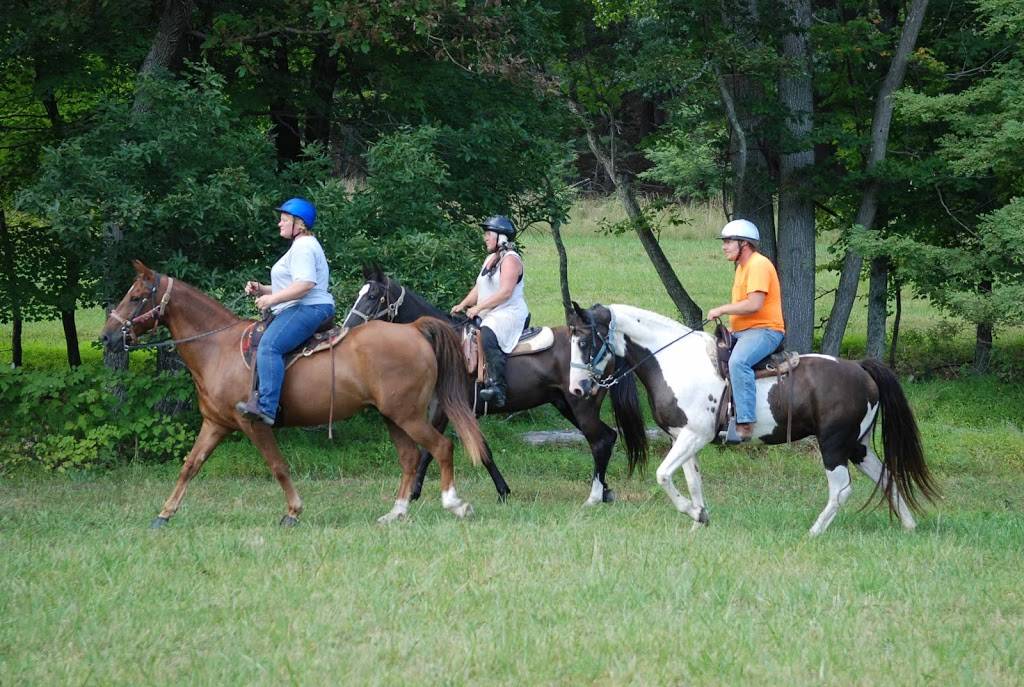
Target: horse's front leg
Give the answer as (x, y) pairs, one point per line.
(684, 450)
(210, 434)
(584, 415)
(263, 438)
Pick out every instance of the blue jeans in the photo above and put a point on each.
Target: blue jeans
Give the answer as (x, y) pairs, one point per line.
(752, 345)
(286, 332)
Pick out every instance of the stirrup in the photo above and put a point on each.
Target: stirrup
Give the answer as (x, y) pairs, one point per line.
(732, 435)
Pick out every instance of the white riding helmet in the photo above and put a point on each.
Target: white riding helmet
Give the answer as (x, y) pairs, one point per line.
(741, 229)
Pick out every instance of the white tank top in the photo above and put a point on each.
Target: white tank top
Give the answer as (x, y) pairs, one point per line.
(507, 319)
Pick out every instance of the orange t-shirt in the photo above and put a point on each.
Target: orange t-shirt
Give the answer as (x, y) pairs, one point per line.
(758, 275)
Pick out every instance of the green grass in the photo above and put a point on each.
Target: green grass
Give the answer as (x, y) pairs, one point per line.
(540, 590)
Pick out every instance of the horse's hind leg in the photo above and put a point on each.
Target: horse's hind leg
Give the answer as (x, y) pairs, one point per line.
(262, 436)
(441, 447)
(408, 457)
(872, 466)
(684, 450)
(839, 489)
(210, 434)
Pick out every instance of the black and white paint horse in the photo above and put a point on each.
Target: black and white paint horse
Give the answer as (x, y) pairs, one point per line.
(837, 401)
(533, 380)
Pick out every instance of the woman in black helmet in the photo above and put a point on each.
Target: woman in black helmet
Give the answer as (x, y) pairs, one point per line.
(497, 298)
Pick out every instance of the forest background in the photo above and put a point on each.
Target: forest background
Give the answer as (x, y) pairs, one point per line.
(169, 131)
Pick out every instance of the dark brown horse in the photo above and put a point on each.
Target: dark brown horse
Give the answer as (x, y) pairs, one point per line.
(533, 380)
(837, 401)
(398, 369)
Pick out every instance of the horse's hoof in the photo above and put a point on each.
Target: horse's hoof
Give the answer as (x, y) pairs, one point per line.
(415, 495)
(702, 517)
(608, 496)
(464, 510)
(503, 496)
(158, 522)
(390, 517)
(289, 521)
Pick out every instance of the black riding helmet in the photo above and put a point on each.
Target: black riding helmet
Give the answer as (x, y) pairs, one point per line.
(500, 224)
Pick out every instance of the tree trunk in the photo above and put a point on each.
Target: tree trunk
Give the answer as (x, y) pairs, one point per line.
(849, 278)
(796, 208)
(563, 266)
(690, 311)
(983, 337)
(168, 361)
(324, 77)
(982, 348)
(16, 353)
(67, 318)
(11, 286)
(878, 302)
(168, 45)
(284, 127)
(896, 318)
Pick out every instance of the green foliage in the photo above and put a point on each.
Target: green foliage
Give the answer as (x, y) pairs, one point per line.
(73, 419)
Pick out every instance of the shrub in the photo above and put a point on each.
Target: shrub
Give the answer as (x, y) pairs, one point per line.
(73, 419)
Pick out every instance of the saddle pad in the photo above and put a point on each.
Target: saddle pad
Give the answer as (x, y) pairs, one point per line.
(534, 340)
(319, 341)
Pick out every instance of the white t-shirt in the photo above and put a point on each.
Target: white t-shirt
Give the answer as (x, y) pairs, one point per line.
(304, 261)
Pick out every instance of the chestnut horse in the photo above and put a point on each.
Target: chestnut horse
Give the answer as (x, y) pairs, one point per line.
(398, 369)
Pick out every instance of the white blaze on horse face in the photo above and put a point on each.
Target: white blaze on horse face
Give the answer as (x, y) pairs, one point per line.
(577, 370)
(355, 306)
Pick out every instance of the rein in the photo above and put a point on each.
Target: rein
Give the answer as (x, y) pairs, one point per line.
(155, 313)
(609, 382)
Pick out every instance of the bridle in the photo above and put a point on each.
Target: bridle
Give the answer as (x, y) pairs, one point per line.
(595, 366)
(139, 317)
(154, 314)
(385, 307)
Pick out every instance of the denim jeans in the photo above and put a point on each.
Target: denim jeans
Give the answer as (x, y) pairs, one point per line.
(752, 345)
(286, 332)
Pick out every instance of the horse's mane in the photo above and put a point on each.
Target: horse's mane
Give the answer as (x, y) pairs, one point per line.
(209, 309)
(648, 317)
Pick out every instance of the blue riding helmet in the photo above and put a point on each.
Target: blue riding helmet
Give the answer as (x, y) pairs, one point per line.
(500, 224)
(301, 208)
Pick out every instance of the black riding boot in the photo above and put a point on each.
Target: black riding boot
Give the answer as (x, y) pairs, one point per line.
(493, 391)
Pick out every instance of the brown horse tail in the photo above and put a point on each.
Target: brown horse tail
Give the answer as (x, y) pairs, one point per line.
(628, 418)
(904, 458)
(451, 385)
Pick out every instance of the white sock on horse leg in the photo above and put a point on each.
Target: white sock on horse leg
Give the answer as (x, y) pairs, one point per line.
(839, 489)
(682, 451)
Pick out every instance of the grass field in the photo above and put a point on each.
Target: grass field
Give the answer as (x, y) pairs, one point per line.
(540, 590)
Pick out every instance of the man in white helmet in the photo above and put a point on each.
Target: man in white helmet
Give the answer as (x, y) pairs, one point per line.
(755, 315)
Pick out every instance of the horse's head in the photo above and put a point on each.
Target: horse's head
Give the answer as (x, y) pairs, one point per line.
(591, 347)
(139, 311)
(380, 297)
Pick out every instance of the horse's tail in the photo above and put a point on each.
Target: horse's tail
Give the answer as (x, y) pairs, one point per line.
(628, 418)
(451, 385)
(904, 458)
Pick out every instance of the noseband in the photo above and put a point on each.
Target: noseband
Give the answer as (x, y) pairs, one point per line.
(139, 317)
(386, 308)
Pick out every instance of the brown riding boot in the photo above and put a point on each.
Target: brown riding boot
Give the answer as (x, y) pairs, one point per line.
(745, 430)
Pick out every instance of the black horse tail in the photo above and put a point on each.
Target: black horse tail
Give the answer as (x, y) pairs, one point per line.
(904, 458)
(628, 418)
(451, 385)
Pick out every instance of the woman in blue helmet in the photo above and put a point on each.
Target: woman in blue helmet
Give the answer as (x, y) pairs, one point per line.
(497, 298)
(299, 298)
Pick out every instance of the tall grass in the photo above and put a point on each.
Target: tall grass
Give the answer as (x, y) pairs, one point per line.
(540, 590)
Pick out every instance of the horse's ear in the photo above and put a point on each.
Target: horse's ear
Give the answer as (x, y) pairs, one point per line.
(142, 270)
(378, 272)
(368, 271)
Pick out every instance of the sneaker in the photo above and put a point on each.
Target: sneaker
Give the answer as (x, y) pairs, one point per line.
(251, 411)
